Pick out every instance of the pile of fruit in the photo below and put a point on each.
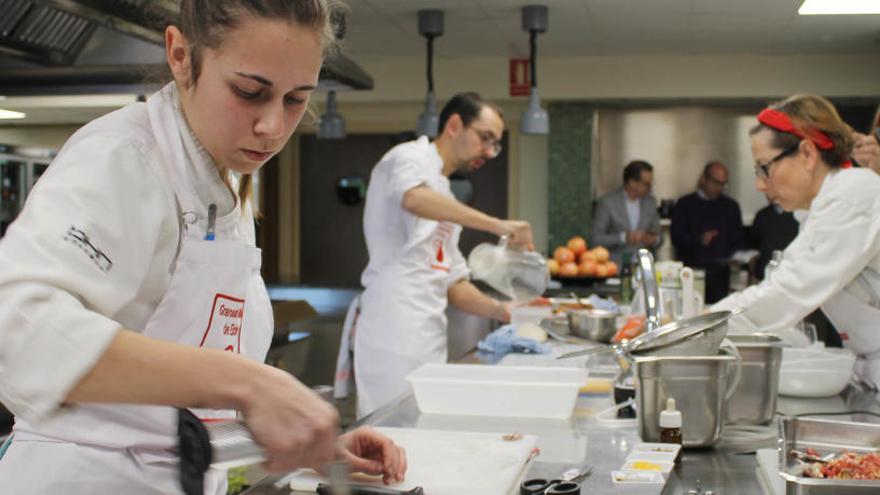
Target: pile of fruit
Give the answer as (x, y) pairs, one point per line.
(575, 260)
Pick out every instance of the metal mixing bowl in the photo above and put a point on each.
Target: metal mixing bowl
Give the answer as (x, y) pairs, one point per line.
(593, 324)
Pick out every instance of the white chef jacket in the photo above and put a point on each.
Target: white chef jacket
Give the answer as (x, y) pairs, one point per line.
(66, 298)
(837, 249)
(413, 263)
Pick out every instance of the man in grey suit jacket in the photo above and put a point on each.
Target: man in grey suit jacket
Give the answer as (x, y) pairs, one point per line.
(626, 218)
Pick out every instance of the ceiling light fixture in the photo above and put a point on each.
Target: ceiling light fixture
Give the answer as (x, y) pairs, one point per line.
(430, 26)
(331, 124)
(10, 115)
(839, 7)
(534, 119)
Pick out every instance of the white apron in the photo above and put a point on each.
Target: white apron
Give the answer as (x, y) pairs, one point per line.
(216, 299)
(402, 322)
(343, 382)
(859, 326)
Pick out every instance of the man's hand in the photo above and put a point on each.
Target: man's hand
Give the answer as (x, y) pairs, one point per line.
(709, 236)
(866, 151)
(649, 239)
(520, 233)
(635, 237)
(502, 314)
(368, 451)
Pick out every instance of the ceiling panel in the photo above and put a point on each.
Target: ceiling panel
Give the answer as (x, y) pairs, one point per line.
(608, 27)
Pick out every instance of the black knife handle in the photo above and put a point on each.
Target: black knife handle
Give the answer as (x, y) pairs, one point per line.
(194, 448)
(356, 489)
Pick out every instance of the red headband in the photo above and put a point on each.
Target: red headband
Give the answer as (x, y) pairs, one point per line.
(781, 122)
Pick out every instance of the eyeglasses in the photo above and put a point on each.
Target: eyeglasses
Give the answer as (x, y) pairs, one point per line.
(490, 144)
(762, 170)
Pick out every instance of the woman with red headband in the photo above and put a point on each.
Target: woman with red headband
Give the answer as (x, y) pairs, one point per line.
(801, 149)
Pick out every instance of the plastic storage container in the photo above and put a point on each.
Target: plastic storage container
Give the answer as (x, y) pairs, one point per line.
(635, 463)
(509, 391)
(638, 482)
(669, 449)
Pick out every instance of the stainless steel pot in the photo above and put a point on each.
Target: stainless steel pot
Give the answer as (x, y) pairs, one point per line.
(701, 387)
(754, 402)
(593, 324)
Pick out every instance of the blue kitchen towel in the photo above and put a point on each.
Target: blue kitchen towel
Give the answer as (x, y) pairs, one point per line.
(606, 304)
(5, 446)
(504, 340)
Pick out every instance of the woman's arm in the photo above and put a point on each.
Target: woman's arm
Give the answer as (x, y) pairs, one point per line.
(295, 426)
(836, 244)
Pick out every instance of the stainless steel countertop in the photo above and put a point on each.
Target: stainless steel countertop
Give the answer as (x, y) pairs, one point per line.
(583, 440)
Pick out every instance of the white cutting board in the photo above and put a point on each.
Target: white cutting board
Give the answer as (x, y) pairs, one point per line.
(448, 462)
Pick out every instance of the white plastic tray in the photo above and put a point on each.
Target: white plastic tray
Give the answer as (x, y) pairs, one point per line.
(509, 391)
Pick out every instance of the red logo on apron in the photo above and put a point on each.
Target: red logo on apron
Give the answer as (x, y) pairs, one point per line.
(224, 326)
(442, 235)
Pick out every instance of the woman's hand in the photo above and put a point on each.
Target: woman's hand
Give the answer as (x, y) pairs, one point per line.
(866, 151)
(368, 451)
(295, 426)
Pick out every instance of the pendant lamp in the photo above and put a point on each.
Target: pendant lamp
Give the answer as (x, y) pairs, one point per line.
(430, 26)
(330, 124)
(534, 119)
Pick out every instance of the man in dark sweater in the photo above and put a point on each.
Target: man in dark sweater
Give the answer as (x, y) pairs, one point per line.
(707, 229)
(772, 230)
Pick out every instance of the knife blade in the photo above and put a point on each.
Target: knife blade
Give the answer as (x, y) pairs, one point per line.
(338, 474)
(358, 489)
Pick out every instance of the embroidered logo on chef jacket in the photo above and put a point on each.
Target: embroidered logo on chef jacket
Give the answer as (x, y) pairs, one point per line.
(81, 240)
(441, 255)
(224, 325)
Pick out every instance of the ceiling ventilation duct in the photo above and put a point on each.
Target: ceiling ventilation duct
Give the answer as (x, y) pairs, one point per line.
(50, 35)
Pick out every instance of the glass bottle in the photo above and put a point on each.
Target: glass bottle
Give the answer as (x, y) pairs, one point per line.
(626, 288)
(670, 425)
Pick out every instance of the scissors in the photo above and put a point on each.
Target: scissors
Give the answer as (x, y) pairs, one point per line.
(568, 485)
(539, 486)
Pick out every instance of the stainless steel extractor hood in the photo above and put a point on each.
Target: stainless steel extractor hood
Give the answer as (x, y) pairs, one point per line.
(102, 46)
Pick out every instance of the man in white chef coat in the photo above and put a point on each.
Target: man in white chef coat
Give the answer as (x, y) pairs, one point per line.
(412, 224)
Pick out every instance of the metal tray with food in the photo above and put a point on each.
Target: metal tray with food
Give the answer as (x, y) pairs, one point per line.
(809, 446)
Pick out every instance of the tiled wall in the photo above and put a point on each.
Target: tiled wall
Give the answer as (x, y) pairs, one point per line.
(569, 189)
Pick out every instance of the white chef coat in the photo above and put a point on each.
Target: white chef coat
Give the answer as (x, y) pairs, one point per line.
(835, 256)
(108, 185)
(413, 263)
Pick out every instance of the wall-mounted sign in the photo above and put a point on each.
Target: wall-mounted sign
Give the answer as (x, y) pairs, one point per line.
(519, 77)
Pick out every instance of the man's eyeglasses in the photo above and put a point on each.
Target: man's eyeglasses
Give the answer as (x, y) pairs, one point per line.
(762, 170)
(490, 144)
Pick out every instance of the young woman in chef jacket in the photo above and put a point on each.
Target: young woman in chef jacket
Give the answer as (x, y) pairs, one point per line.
(121, 298)
(801, 149)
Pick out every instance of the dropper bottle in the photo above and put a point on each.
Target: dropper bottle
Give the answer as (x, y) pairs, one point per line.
(670, 425)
